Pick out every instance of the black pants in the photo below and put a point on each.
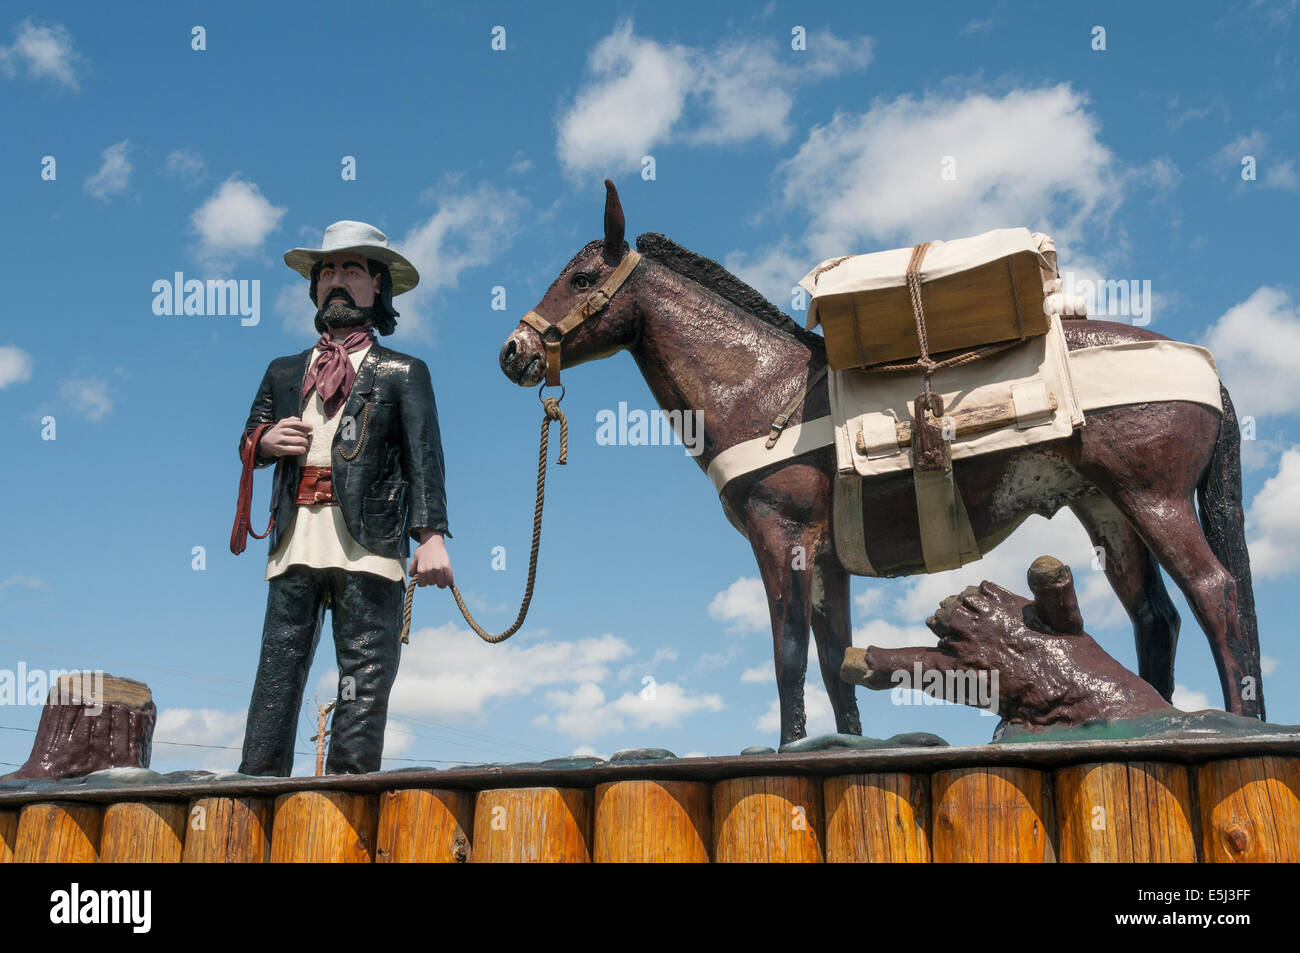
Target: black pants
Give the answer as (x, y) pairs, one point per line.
(367, 621)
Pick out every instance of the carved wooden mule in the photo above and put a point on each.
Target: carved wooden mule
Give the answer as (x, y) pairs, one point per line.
(707, 342)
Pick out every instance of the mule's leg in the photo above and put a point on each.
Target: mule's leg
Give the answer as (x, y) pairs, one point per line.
(1135, 576)
(1170, 527)
(832, 628)
(789, 600)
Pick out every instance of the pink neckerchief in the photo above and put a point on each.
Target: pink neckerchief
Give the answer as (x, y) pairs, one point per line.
(332, 373)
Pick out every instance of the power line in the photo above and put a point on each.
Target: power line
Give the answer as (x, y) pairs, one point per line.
(476, 735)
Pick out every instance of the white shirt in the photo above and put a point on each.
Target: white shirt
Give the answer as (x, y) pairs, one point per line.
(319, 536)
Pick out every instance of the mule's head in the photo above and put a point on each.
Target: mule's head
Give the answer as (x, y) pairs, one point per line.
(604, 328)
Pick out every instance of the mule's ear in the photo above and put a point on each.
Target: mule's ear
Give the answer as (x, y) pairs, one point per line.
(615, 225)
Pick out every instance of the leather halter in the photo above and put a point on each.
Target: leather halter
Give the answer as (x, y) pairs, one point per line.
(553, 332)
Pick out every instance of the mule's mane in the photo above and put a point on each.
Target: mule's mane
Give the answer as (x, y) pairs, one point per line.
(713, 276)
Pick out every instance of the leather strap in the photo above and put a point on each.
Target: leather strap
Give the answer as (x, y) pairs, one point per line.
(784, 416)
(553, 332)
(242, 529)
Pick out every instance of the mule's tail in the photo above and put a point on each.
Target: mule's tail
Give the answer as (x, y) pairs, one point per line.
(1224, 524)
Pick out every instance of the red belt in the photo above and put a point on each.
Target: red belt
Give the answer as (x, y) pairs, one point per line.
(315, 486)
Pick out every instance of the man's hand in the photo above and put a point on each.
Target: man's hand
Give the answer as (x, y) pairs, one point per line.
(430, 564)
(288, 438)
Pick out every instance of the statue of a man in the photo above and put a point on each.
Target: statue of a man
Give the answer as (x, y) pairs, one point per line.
(352, 429)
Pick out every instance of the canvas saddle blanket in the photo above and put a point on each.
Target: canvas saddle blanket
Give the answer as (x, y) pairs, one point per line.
(1035, 392)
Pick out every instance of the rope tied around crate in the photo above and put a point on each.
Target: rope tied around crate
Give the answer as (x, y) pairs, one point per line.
(925, 363)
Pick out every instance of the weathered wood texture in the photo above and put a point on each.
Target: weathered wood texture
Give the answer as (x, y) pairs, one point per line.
(768, 820)
(653, 822)
(425, 826)
(334, 827)
(1135, 812)
(58, 833)
(228, 830)
(967, 309)
(142, 832)
(533, 825)
(8, 834)
(1234, 809)
(1250, 810)
(877, 818)
(991, 815)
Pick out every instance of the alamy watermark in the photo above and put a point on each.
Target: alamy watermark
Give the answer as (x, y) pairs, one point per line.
(640, 428)
(977, 688)
(1106, 297)
(215, 296)
(60, 686)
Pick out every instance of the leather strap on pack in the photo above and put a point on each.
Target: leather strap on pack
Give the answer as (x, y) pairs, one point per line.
(784, 416)
(553, 333)
(243, 519)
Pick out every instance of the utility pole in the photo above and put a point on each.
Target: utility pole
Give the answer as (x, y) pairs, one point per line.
(319, 737)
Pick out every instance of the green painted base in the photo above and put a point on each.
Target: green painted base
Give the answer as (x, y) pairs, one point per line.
(1165, 723)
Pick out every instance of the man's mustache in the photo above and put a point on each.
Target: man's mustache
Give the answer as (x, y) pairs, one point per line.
(341, 293)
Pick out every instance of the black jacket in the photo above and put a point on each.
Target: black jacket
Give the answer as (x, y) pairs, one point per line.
(394, 485)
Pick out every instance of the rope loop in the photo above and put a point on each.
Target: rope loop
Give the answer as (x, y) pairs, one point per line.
(551, 405)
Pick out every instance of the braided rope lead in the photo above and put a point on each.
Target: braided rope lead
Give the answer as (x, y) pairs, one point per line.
(552, 412)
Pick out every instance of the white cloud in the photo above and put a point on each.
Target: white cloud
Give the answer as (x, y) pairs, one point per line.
(233, 222)
(743, 606)
(223, 730)
(640, 93)
(584, 712)
(44, 51)
(15, 366)
(1256, 346)
(185, 164)
(886, 635)
(1268, 665)
(1230, 155)
(1007, 565)
(1030, 156)
(1163, 174)
(1188, 699)
(762, 674)
(817, 709)
(1274, 520)
(773, 271)
(1272, 172)
(468, 229)
(88, 397)
(114, 172)
(1261, 452)
(634, 95)
(1282, 175)
(28, 582)
(292, 304)
(449, 673)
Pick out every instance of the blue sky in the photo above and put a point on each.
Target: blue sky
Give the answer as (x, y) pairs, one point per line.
(485, 167)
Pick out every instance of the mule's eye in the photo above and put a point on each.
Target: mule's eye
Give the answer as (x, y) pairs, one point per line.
(581, 281)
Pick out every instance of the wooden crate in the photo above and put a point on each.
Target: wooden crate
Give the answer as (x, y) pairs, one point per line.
(963, 309)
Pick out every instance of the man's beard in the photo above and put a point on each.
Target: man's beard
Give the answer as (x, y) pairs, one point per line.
(341, 313)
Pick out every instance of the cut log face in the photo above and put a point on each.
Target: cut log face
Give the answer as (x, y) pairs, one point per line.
(91, 721)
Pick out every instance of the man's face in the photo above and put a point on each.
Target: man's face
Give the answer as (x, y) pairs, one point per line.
(344, 286)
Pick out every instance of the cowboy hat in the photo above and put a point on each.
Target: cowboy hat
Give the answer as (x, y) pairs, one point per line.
(343, 236)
